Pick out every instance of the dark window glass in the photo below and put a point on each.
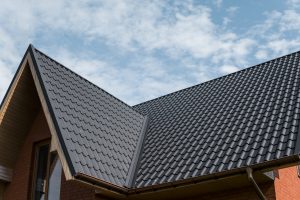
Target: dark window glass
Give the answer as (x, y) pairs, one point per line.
(41, 172)
(55, 171)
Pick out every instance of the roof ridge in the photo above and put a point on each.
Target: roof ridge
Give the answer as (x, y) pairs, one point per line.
(215, 79)
(85, 79)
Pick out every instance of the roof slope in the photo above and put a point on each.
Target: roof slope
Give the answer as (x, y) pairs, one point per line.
(248, 117)
(98, 132)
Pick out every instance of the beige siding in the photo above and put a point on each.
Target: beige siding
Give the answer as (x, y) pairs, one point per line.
(16, 117)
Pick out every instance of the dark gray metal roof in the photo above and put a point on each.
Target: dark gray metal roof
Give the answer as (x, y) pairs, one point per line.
(242, 119)
(99, 133)
(248, 117)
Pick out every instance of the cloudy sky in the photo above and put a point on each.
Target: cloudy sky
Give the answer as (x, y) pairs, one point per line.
(139, 50)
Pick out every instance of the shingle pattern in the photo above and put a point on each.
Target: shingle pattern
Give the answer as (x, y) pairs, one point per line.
(238, 120)
(99, 131)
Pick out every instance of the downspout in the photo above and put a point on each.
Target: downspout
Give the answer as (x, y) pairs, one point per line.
(252, 181)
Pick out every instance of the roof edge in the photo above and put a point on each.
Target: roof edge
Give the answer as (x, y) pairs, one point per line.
(127, 105)
(31, 50)
(297, 148)
(137, 155)
(269, 165)
(101, 183)
(261, 167)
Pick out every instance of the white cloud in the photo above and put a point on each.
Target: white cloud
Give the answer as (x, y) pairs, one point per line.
(183, 33)
(261, 54)
(133, 25)
(289, 21)
(232, 10)
(5, 78)
(293, 3)
(129, 26)
(226, 69)
(283, 46)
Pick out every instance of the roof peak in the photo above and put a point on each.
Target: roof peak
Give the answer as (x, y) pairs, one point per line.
(81, 77)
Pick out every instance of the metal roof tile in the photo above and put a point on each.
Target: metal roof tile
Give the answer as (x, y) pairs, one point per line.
(77, 105)
(244, 118)
(237, 120)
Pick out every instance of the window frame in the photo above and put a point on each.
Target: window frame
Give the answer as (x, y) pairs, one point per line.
(50, 153)
(36, 148)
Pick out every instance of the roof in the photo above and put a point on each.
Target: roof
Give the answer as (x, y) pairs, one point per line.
(242, 119)
(98, 132)
(248, 117)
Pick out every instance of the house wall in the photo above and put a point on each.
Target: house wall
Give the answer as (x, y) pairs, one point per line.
(71, 190)
(287, 184)
(21, 181)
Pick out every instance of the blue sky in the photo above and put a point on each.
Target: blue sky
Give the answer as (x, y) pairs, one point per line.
(139, 50)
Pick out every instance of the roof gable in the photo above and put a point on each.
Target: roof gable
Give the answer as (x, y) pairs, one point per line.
(21, 105)
(99, 133)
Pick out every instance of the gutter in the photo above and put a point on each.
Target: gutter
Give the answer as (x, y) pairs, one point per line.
(123, 192)
(263, 167)
(258, 191)
(102, 184)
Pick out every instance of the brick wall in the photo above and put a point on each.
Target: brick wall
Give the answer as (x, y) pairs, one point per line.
(287, 185)
(21, 182)
(71, 190)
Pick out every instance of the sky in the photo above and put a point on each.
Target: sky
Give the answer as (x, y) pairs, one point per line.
(139, 50)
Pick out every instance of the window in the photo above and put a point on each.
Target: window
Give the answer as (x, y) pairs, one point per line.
(40, 171)
(55, 170)
(47, 172)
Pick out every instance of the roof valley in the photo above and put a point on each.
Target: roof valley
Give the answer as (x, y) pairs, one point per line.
(137, 157)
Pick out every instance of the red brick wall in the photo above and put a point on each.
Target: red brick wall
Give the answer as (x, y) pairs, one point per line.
(287, 185)
(71, 190)
(21, 182)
